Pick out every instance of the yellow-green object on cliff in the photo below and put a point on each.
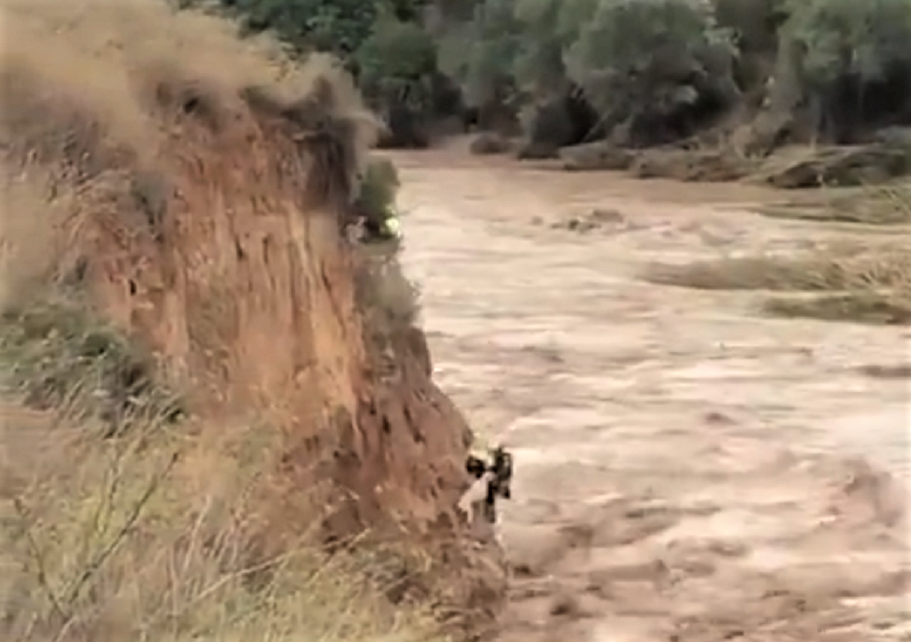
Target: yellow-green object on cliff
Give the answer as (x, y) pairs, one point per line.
(391, 224)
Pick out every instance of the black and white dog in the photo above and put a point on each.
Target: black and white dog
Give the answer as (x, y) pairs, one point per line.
(493, 479)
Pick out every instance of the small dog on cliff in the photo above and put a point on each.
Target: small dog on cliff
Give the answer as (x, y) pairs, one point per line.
(493, 479)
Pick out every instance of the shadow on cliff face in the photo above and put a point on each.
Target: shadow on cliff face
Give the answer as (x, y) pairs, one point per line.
(188, 190)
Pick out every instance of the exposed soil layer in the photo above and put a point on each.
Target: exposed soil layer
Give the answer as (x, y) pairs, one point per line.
(687, 469)
(200, 206)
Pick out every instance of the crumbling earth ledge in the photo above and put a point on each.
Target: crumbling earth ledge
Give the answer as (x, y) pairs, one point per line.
(201, 204)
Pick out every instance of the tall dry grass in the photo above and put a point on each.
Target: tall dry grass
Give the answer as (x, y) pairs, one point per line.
(150, 535)
(106, 54)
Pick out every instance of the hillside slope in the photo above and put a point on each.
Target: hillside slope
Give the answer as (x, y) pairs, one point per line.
(193, 186)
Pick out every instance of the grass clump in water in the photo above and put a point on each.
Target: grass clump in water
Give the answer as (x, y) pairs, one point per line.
(870, 286)
(809, 272)
(858, 307)
(874, 206)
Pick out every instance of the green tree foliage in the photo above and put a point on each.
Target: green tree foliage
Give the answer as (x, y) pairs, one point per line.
(622, 53)
(838, 38)
(539, 44)
(481, 52)
(396, 62)
(622, 35)
(624, 43)
(381, 41)
(832, 53)
(512, 46)
(336, 26)
(755, 22)
(622, 50)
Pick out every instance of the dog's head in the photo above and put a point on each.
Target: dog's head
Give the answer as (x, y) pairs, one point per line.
(500, 467)
(475, 466)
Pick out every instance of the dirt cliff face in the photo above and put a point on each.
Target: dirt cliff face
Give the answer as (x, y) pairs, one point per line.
(242, 285)
(204, 220)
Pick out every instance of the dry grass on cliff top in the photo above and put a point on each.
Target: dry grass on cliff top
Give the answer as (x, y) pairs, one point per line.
(149, 533)
(110, 71)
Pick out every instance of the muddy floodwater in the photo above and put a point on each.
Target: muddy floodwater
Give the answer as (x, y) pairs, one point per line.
(688, 470)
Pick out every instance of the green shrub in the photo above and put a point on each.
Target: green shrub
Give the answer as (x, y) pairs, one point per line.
(482, 52)
(840, 38)
(396, 62)
(378, 188)
(56, 354)
(336, 26)
(831, 52)
(396, 49)
(537, 45)
(624, 41)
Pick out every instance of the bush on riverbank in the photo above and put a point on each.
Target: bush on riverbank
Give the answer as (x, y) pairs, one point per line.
(651, 71)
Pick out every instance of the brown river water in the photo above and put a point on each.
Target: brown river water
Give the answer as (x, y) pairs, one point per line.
(687, 469)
